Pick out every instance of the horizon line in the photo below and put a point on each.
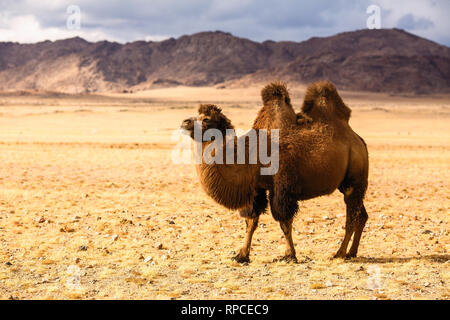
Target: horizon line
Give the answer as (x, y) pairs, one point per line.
(220, 31)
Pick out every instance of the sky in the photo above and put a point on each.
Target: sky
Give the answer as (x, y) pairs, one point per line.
(28, 21)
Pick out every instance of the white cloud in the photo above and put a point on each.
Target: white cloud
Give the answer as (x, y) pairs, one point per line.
(156, 38)
(434, 11)
(123, 21)
(27, 29)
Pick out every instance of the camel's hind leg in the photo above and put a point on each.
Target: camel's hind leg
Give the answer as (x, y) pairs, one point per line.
(359, 227)
(251, 215)
(289, 255)
(354, 222)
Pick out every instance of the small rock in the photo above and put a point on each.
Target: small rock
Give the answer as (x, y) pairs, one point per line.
(148, 259)
(159, 246)
(115, 237)
(427, 232)
(66, 229)
(306, 260)
(82, 248)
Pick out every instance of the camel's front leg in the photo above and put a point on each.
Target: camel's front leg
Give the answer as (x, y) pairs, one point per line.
(244, 254)
(251, 215)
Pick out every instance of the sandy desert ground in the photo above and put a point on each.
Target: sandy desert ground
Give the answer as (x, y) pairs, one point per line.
(92, 207)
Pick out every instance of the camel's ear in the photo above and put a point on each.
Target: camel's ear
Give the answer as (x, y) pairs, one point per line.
(209, 109)
(223, 123)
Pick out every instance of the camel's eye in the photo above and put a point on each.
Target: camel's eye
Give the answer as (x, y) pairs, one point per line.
(206, 120)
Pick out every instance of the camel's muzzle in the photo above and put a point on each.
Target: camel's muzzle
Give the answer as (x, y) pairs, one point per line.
(188, 124)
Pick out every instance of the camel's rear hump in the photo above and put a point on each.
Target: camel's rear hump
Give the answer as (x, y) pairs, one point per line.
(322, 101)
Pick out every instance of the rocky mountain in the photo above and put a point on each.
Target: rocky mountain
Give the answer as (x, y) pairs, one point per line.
(387, 60)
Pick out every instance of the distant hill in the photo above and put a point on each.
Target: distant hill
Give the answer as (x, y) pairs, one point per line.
(387, 60)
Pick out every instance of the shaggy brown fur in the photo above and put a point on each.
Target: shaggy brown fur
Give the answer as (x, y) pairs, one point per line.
(314, 160)
(329, 105)
(231, 186)
(277, 111)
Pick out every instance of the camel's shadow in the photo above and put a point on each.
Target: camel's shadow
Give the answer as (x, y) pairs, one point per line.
(431, 258)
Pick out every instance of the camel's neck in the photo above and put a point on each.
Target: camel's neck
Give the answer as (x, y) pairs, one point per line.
(231, 185)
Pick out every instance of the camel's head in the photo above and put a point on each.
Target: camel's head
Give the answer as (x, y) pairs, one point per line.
(209, 117)
(322, 101)
(276, 91)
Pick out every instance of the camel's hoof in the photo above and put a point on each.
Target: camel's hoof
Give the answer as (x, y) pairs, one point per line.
(348, 256)
(240, 259)
(287, 259)
(339, 255)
